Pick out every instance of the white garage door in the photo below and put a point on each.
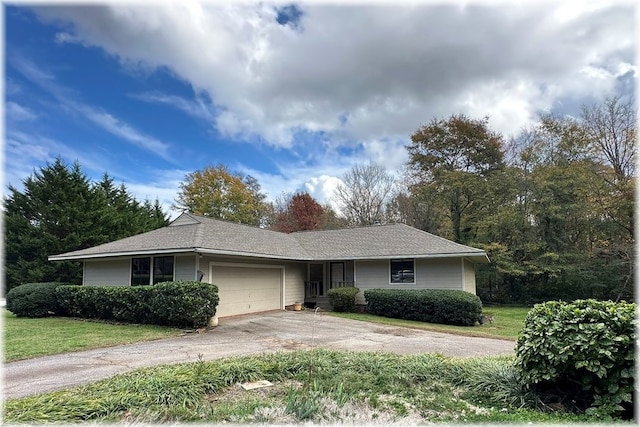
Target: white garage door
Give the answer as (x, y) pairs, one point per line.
(246, 289)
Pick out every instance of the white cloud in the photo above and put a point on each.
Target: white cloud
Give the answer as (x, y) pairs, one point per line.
(387, 69)
(323, 189)
(197, 108)
(123, 130)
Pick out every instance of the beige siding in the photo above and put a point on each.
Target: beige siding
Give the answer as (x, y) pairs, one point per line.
(184, 267)
(107, 272)
(295, 275)
(469, 277)
(440, 273)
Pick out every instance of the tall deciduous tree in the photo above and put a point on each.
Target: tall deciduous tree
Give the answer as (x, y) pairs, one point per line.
(59, 211)
(455, 159)
(364, 194)
(301, 212)
(218, 193)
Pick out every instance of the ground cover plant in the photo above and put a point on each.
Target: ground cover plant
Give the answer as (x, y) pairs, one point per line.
(320, 386)
(24, 337)
(507, 323)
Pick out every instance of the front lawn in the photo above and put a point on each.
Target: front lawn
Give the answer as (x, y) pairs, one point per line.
(345, 387)
(507, 323)
(25, 338)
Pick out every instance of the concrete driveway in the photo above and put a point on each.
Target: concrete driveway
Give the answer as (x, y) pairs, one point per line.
(252, 334)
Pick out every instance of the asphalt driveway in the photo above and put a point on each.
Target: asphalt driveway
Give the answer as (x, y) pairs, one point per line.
(244, 335)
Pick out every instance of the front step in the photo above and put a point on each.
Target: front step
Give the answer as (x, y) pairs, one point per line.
(324, 304)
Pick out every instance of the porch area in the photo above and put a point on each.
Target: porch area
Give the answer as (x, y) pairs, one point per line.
(322, 277)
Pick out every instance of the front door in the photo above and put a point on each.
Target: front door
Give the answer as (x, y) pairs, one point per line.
(336, 273)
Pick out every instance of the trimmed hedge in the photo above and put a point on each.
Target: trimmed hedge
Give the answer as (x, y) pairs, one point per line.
(580, 355)
(450, 307)
(343, 299)
(182, 303)
(35, 300)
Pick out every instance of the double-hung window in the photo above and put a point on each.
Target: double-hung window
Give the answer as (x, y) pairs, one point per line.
(402, 271)
(141, 270)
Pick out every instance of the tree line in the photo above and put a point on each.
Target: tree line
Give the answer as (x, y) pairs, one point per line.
(553, 207)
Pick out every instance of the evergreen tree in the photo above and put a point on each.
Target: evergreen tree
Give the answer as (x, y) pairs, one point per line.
(60, 211)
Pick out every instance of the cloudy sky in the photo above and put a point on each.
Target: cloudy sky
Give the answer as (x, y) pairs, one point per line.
(293, 94)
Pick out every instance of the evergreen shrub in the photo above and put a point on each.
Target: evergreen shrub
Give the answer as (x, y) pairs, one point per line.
(181, 303)
(35, 300)
(343, 299)
(581, 355)
(450, 307)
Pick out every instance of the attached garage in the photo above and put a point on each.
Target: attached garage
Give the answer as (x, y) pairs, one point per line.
(247, 288)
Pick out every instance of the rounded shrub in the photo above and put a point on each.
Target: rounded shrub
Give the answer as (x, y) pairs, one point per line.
(580, 355)
(450, 307)
(35, 300)
(343, 299)
(183, 303)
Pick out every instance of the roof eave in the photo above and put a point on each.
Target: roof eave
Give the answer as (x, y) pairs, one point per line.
(79, 257)
(476, 257)
(251, 254)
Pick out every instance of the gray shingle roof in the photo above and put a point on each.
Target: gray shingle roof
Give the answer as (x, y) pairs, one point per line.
(380, 241)
(193, 233)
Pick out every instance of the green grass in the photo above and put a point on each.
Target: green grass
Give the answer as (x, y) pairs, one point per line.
(346, 387)
(508, 321)
(25, 338)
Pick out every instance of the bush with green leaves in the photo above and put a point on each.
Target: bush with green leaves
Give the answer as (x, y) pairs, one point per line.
(581, 355)
(450, 307)
(343, 299)
(35, 300)
(181, 303)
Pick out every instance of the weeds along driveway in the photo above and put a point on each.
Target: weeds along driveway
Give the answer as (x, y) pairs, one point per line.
(244, 335)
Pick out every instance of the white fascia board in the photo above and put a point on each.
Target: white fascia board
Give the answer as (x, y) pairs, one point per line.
(472, 256)
(117, 254)
(250, 254)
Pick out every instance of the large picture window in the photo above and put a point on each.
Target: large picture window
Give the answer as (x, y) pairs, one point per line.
(402, 271)
(141, 270)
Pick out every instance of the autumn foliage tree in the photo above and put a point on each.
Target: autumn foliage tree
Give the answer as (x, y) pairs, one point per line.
(300, 212)
(218, 193)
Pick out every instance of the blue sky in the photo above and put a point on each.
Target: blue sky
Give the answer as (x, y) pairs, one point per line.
(292, 94)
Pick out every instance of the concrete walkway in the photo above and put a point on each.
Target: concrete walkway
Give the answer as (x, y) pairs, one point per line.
(252, 334)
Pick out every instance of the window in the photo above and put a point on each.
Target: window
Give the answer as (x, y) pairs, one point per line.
(162, 269)
(402, 271)
(141, 270)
